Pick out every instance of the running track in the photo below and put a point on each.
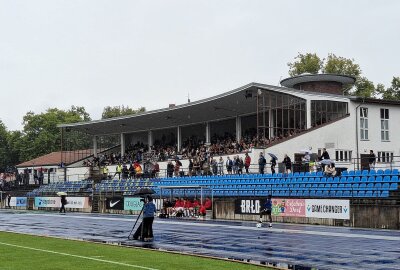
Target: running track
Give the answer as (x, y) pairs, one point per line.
(283, 245)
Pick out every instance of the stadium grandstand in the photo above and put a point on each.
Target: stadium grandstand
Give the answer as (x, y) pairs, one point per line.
(224, 147)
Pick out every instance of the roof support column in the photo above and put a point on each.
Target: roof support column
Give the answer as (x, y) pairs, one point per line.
(238, 128)
(122, 144)
(150, 139)
(95, 146)
(271, 124)
(308, 114)
(179, 138)
(208, 133)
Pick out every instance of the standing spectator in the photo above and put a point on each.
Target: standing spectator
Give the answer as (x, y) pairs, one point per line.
(156, 169)
(371, 160)
(170, 169)
(288, 164)
(229, 165)
(190, 172)
(273, 164)
(131, 171)
(220, 166)
(247, 162)
(118, 170)
(325, 155)
(214, 166)
(240, 165)
(261, 163)
(177, 167)
(234, 165)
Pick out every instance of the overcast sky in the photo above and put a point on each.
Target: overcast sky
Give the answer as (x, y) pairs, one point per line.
(152, 53)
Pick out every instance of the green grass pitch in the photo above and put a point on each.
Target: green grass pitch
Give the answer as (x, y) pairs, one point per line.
(19, 251)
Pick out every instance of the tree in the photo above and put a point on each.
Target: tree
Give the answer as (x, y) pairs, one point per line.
(41, 134)
(364, 88)
(340, 65)
(305, 63)
(345, 66)
(391, 93)
(109, 112)
(3, 147)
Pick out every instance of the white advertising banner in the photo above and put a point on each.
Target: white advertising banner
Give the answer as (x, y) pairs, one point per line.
(336, 209)
(47, 202)
(77, 202)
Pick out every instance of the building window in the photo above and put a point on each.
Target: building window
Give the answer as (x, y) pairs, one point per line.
(343, 155)
(364, 123)
(385, 157)
(385, 124)
(325, 111)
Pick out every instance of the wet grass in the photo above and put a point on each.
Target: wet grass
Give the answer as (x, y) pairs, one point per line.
(19, 251)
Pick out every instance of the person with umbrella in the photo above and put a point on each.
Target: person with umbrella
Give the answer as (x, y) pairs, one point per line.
(63, 201)
(145, 229)
(274, 158)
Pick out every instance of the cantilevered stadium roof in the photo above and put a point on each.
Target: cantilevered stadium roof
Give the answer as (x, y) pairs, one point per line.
(240, 101)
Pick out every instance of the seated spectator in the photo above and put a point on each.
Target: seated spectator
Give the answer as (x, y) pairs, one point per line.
(330, 170)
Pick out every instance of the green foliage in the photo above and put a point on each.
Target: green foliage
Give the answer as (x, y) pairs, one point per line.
(305, 63)
(41, 134)
(340, 65)
(364, 88)
(392, 92)
(3, 146)
(110, 112)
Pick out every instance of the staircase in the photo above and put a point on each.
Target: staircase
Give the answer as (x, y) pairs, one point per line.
(95, 203)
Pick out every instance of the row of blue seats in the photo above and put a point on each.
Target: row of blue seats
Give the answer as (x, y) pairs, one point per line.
(313, 193)
(362, 186)
(364, 179)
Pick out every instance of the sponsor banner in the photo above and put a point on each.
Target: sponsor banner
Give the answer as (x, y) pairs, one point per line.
(77, 202)
(248, 206)
(47, 201)
(133, 204)
(115, 203)
(336, 209)
(18, 201)
(288, 207)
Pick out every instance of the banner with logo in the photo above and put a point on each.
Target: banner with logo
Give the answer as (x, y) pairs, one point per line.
(18, 201)
(336, 209)
(77, 202)
(248, 206)
(134, 204)
(115, 203)
(288, 207)
(47, 201)
(314, 208)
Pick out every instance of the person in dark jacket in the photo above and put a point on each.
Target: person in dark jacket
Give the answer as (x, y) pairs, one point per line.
(170, 169)
(273, 164)
(267, 210)
(288, 164)
(371, 160)
(63, 203)
(261, 163)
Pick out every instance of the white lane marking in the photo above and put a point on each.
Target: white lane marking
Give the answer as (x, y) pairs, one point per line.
(78, 256)
(348, 235)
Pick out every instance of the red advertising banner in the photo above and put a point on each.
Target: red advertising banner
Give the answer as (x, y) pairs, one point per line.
(288, 207)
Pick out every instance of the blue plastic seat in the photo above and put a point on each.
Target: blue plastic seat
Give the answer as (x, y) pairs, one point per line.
(395, 172)
(364, 172)
(385, 194)
(364, 179)
(393, 186)
(395, 179)
(372, 172)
